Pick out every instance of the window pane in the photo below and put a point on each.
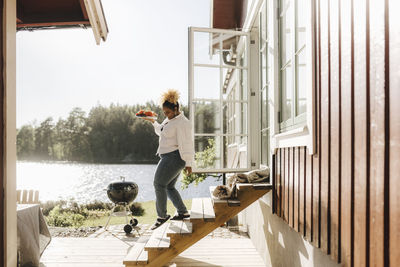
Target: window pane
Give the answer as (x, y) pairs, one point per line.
(301, 24)
(229, 51)
(243, 85)
(229, 90)
(206, 82)
(263, 25)
(243, 118)
(206, 117)
(264, 113)
(234, 84)
(235, 117)
(286, 29)
(270, 68)
(287, 92)
(270, 20)
(207, 152)
(263, 64)
(264, 148)
(235, 152)
(201, 48)
(301, 104)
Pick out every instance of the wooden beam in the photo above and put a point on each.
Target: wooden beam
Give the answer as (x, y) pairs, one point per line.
(84, 12)
(44, 24)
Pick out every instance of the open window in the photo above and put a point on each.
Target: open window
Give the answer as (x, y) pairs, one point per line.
(219, 99)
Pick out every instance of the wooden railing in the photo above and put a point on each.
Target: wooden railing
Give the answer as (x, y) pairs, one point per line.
(27, 196)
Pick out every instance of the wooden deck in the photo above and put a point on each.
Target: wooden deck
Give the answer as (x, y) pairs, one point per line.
(110, 252)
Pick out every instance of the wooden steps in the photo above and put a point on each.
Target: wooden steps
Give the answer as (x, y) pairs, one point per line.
(158, 239)
(202, 209)
(179, 228)
(137, 254)
(207, 214)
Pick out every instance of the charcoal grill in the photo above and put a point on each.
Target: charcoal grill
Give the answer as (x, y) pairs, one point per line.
(122, 193)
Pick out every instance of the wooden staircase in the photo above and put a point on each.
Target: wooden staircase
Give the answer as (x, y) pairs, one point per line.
(207, 214)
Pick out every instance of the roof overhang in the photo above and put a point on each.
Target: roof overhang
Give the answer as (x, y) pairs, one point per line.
(228, 14)
(56, 14)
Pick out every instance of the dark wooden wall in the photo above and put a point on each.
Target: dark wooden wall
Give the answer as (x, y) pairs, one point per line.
(346, 198)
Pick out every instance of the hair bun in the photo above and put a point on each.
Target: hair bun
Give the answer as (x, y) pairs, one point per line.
(171, 95)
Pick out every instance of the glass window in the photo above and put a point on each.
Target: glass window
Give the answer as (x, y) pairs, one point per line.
(218, 98)
(266, 68)
(292, 35)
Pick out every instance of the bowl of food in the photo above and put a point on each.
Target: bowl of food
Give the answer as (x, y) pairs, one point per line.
(146, 114)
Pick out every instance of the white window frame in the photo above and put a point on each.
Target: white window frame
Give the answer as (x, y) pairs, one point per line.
(264, 45)
(303, 135)
(192, 64)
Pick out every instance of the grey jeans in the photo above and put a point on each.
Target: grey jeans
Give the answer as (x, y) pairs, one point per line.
(167, 173)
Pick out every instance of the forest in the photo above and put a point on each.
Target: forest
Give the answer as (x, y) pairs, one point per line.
(105, 135)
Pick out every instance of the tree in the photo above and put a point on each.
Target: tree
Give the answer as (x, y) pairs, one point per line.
(44, 139)
(106, 135)
(26, 142)
(76, 139)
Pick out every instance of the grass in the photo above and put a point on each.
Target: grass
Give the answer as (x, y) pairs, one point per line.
(149, 216)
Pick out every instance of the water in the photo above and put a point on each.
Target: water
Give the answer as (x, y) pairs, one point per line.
(86, 182)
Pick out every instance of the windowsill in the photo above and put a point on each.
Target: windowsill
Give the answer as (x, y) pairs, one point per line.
(292, 138)
(291, 133)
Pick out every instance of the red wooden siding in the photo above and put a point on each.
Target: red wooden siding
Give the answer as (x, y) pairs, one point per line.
(394, 149)
(309, 197)
(334, 129)
(301, 192)
(345, 199)
(295, 224)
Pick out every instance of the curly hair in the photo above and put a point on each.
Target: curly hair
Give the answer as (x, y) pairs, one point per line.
(170, 99)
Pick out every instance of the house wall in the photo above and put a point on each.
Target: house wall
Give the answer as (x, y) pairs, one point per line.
(9, 217)
(341, 205)
(345, 198)
(278, 243)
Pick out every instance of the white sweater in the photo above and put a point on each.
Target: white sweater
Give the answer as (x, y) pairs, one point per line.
(176, 134)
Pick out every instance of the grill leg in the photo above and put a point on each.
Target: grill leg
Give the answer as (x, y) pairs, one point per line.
(109, 218)
(126, 214)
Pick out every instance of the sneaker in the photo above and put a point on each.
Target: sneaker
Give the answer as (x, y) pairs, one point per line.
(159, 222)
(180, 216)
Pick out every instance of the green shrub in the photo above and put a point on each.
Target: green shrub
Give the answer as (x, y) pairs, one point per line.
(204, 159)
(60, 218)
(49, 205)
(71, 214)
(137, 209)
(98, 205)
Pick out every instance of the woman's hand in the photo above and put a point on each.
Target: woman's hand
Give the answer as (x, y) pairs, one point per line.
(188, 170)
(149, 119)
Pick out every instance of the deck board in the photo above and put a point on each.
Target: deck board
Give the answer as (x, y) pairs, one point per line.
(158, 239)
(81, 252)
(196, 213)
(208, 210)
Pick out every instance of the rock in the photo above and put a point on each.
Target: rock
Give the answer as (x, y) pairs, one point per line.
(72, 232)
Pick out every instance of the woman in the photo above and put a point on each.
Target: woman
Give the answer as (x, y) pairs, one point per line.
(176, 151)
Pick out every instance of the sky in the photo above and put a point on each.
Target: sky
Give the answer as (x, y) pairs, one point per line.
(145, 53)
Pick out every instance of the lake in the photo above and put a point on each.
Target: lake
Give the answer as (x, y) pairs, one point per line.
(86, 182)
